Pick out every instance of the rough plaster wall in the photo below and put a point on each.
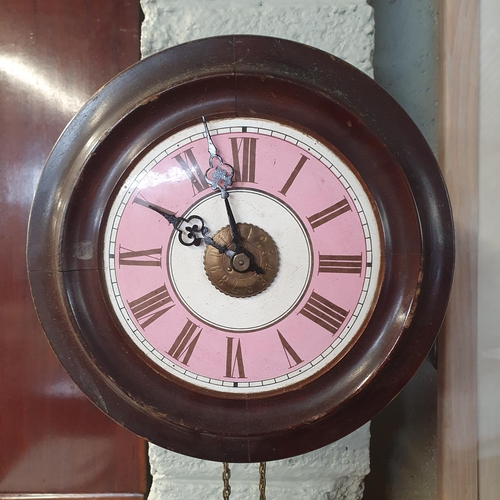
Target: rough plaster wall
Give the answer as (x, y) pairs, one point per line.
(344, 28)
(335, 472)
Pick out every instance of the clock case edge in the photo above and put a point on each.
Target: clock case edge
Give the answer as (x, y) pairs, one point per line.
(213, 67)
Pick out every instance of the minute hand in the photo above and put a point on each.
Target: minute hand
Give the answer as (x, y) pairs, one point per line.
(232, 225)
(248, 262)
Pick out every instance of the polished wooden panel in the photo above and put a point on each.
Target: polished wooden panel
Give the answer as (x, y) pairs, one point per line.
(53, 55)
(457, 371)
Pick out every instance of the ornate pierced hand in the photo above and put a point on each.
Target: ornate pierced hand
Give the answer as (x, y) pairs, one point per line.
(220, 176)
(191, 231)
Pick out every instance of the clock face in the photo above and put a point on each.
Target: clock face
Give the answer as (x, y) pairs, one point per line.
(193, 319)
(305, 218)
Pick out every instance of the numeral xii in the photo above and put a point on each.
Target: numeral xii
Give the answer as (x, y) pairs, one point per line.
(244, 153)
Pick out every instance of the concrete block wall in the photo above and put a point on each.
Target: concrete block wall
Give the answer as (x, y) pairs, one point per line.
(344, 28)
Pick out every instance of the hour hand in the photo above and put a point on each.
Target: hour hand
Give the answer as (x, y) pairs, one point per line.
(170, 216)
(191, 231)
(222, 248)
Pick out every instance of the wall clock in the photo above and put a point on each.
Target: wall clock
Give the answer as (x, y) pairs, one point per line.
(254, 284)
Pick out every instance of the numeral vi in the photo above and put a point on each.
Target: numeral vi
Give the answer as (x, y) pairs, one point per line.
(234, 359)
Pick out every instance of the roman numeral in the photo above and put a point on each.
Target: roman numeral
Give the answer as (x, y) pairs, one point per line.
(151, 257)
(140, 200)
(292, 357)
(185, 343)
(329, 213)
(244, 150)
(350, 264)
(234, 360)
(190, 166)
(151, 306)
(324, 313)
(293, 175)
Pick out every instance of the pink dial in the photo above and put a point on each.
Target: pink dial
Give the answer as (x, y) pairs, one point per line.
(183, 310)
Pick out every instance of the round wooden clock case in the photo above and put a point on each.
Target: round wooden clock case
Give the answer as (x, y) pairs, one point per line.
(342, 214)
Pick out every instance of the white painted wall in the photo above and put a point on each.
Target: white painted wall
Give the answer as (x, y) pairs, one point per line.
(346, 29)
(489, 253)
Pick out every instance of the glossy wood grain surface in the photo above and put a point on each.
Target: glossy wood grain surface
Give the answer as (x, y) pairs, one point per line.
(54, 54)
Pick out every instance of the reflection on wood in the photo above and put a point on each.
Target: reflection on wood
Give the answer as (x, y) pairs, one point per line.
(54, 443)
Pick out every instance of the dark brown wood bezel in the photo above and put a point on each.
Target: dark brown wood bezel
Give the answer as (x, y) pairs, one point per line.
(237, 76)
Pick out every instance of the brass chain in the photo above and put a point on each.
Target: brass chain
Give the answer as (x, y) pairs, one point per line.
(262, 480)
(226, 475)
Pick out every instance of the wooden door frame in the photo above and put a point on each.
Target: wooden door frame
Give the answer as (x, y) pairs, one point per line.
(457, 454)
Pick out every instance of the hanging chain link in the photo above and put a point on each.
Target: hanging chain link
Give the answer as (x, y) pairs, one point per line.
(226, 476)
(262, 480)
